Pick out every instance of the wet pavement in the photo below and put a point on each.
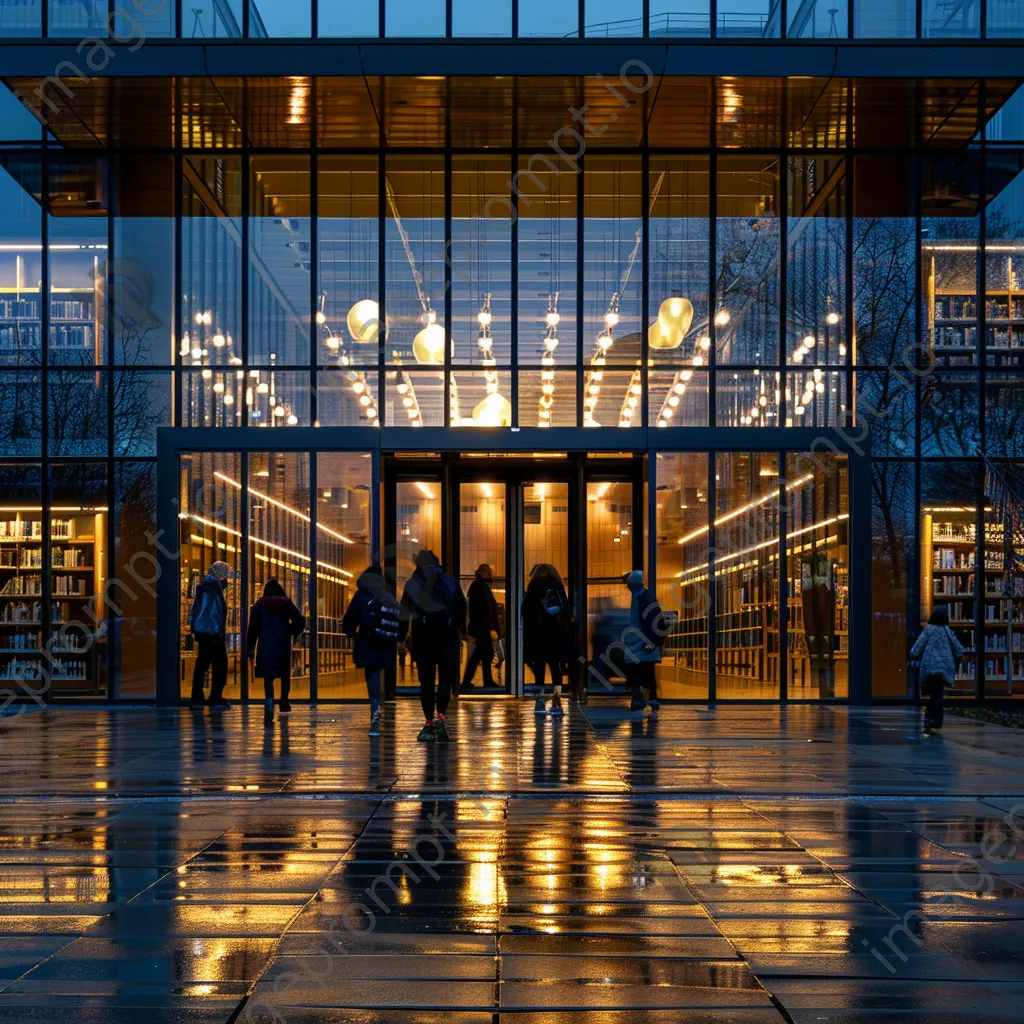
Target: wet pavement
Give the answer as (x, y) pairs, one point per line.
(733, 865)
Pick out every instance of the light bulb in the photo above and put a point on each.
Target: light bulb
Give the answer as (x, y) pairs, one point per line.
(705, 343)
(197, 353)
(547, 388)
(636, 389)
(365, 400)
(485, 342)
(229, 399)
(358, 387)
(408, 402)
(402, 387)
(611, 319)
(842, 350)
(722, 317)
(207, 374)
(697, 361)
(631, 402)
(832, 318)
(199, 318)
(552, 319)
(798, 356)
(279, 410)
(604, 341)
(333, 344)
(551, 344)
(594, 389)
(292, 420)
(679, 387)
(762, 401)
(483, 318)
(662, 423)
(219, 341)
(820, 387)
(686, 374)
(262, 388)
(809, 342)
(371, 413)
(218, 387)
(320, 318)
(799, 410)
(254, 373)
(673, 400)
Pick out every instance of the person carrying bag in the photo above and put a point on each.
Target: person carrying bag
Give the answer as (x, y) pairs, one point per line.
(938, 651)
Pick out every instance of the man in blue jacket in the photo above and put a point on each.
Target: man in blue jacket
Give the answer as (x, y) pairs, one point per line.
(207, 621)
(643, 638)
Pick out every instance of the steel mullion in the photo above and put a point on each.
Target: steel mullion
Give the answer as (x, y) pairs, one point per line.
(712, 596)
(782, 588)
(313, 625)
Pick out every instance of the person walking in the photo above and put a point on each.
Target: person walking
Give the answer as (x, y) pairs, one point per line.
(483, 627)
(207, 620)
(373, 619)
(938, 651)
(274, 622)
(643, 641)
(547, 632)
(433, 622)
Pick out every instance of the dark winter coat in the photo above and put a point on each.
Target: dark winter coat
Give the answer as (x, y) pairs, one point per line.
(483, 610)
(369, 650)
(273, 622)
(209, 609)
(939, 650)
(418, 600)
(546, 637)
(644, 638)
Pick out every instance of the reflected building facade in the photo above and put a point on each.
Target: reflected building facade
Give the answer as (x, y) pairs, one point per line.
(759, 332)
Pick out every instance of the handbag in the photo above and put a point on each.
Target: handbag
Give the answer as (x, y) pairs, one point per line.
(499, 650)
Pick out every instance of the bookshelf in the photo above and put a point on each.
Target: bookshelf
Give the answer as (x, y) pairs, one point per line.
(952, 308)
(54, 635)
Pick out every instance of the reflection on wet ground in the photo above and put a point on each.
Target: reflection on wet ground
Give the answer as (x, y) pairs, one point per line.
(740, 865)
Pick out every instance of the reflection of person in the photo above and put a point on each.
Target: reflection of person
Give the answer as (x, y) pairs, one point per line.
(483, 626)
(643, 642)
(208, 620)
(273, 622)
(547, 625)
(434, 617)
(938, 650)
(372, 618)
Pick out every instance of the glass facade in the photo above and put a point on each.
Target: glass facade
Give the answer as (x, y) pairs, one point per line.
(729, 254)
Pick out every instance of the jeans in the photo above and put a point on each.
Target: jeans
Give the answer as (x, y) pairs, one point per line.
(640, 677)
(285, 676)
(483, 655)
(213, 655)
(373, 675)
(442, 663)
(935, 688)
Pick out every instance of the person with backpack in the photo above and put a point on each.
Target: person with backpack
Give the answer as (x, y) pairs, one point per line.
(483, 627)
(373, 619)
(643, 639)
(938, 651)
(274, 622)
(208, 620)
(547, 633)
(433, 622)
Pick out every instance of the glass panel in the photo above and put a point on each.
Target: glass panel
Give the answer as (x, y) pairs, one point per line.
(414, 399)
(887, 403)
(949, 414)
(142, 274)
(277, 398)
(612, 398)
(1004, 260)
(745, 398)
(941, 19)
(738, 18)
(211, 264)
(816, 261)
(682, 566)
(278, 510)
(479, 399)
(1004, 586)
(950, 227)
(1004, 415)
(611, 265)
(418, 18)
(885, 19)
(893, 563)
(547, 398)
(884, 261)
(815, 398)
(20, 262)
(949, 558)
(818, 19)
(678, 398)
(609, 558)
(21, 18)
(548, 18)
(818, 567)
(547, 263)
(79, 603)
(210, 525)
(77, 413)
(85, 19)
(213, 398)
(747, 575)
(690, 18)
(21, 407)
(203, 20)
(275, 18)
(347, 399)
(132, 633)
(143, 19)
(482, 20)
(746, 322)
(482, 548)
(613, 18)
(418, 528)
(279, 299)
(348, 314)
(21, 588)
(1004, 20)
(415, 260)
(142, 402)
(678, 257)
(343, 510)
(360, 19)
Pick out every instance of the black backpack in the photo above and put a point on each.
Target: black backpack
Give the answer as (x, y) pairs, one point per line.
(380, 617)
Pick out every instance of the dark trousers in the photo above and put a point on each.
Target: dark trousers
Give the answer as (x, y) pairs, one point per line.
(212, 655)
(441, 663)
(640, 677)
(555, 667)
(482, 655)
(285, 675)
(373, 674)
(935, 688)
